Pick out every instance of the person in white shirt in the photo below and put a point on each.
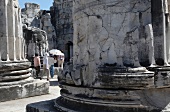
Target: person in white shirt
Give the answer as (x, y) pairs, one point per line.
(60, 60)
(46, 65)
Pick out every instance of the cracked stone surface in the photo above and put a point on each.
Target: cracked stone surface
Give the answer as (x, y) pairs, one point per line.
(111, 32)
(120, 58)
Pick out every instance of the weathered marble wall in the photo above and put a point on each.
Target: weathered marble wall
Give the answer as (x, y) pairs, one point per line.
(118, 33)
(61, 13)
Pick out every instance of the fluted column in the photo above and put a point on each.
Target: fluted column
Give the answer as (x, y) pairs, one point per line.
(158, 22)
(17, 36)
(11, 30)
(23, 49)
(22, 39)
(149, 32)
(167, 20)
(20, 32)
(4, 31)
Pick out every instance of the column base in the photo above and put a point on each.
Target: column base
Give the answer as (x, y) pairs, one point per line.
(43, 106)
(15, 81)
(112, 100)
(116, 90)
(64, 105)
(22, 89)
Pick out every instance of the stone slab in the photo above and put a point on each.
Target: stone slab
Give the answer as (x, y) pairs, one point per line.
(20, 90)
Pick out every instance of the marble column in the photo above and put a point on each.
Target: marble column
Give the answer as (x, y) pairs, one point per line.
(149, 33)
(18, 38)
(116, 44)
(159, 32)
(23, 49)
(167, 20)
(11, 30)
(4, 31)
(20, 32)
(15, 74)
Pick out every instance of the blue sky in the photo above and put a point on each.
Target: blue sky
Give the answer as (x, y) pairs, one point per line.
(44, 4)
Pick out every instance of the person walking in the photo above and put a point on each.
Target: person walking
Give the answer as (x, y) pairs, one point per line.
(51, 65)
(60, 60)
(37, 65)
(46, 65)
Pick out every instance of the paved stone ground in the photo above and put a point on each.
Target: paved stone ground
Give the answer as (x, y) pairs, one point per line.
(20, 104)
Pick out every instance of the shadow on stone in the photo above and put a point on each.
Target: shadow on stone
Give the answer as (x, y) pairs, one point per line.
(43, 106)
(54, 83)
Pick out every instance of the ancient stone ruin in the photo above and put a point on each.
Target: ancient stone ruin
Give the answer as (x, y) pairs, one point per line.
(47, 26)
(36, 42)
(35, 20)
(15, 73)
(30, 15)
(61, 17)
(121, 57)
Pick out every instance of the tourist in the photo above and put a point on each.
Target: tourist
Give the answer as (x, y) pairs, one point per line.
(51, 65)
(55, 61)
(46, 66)
(60, 60)
(37, 65)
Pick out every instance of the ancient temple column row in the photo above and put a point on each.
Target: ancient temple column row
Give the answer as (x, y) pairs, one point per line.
(12, 46)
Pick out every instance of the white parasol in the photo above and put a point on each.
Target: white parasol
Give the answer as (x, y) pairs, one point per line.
(55, 52)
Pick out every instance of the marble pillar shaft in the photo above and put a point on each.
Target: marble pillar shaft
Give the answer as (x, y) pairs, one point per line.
(167, 20)
(4, 31)
(11, 31)
(21, 36)
(158, 23)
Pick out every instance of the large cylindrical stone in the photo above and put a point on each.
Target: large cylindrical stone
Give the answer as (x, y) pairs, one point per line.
(113, 46)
